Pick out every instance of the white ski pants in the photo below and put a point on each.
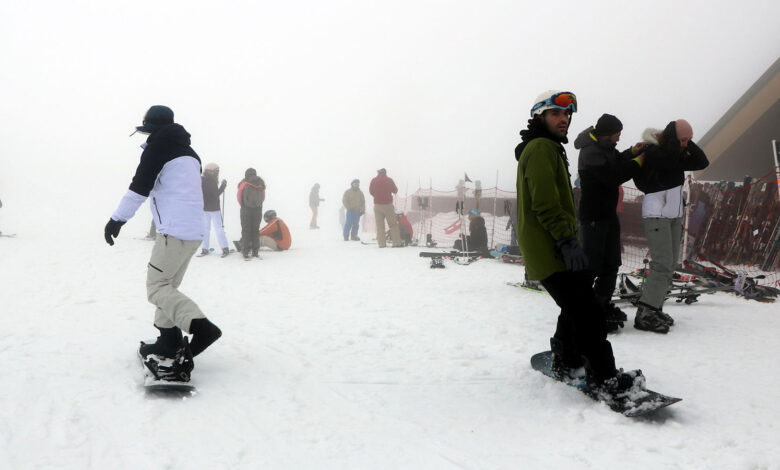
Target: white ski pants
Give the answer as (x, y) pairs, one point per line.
(213, 218)
(169, 261)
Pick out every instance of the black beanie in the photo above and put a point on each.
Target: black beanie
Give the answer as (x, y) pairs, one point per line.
(607, 125)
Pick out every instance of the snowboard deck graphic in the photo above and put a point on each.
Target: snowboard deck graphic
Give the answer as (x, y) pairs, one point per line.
(635, 404)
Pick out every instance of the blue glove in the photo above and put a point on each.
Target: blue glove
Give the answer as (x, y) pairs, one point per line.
(112, 230)
(572, 254)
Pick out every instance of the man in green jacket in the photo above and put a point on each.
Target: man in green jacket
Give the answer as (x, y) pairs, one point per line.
(547, 235)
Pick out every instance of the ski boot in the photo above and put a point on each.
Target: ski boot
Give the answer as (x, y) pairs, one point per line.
(225, 252)
(650, 319)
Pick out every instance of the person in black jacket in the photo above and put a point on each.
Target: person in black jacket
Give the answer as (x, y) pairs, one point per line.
(477, 239)
(602, 170)
(212, 215)
(668, 155)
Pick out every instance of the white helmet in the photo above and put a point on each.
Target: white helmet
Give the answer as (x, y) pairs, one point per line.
(212, 167)
(554, 99)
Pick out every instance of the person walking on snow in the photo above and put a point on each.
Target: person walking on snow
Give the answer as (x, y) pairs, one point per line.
(177, 208)
(354, 202)
(314, 204)
(669, 154)
(383, 187)
(251, 194)
(211, 211)
(602, 170)
(547, 234)
(275, 235)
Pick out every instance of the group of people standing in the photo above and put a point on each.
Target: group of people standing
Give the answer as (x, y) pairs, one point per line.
(576, 254)
(251, 195)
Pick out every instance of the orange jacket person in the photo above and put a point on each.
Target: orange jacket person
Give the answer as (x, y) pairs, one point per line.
(275, 235)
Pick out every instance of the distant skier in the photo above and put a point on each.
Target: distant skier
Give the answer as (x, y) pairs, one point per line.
(547, 233)
(383, 187)
(314, 204)
(354, 202)
(251, 194)
(169, 172)
(275, 235)
(602, 170)
(669, 154)
(212, 215)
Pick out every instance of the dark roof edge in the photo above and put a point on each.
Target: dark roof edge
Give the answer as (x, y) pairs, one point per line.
(773, 70)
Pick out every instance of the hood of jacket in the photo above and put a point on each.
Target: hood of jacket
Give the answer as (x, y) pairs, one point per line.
(650, 135)
(172, 133)
(536, 129)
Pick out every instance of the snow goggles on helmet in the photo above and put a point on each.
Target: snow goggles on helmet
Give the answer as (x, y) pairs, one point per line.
(562, 100)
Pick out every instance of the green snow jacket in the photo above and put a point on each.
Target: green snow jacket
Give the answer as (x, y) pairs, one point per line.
(545, 206)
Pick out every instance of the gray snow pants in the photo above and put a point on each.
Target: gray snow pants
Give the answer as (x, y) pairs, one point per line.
(664, 237)
(169, 261)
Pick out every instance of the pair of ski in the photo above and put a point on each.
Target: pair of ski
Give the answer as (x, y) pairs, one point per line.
(630, 292)
(633, 404)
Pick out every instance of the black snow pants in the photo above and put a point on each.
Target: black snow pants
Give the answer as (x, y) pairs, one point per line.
(582, 327)
(601, 243)
(250, 229)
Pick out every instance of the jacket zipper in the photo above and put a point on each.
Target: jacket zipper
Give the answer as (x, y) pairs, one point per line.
(156, 209)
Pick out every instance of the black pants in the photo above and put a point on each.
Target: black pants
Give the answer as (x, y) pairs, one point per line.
(601, 243)
(250, 229)
(582, 327)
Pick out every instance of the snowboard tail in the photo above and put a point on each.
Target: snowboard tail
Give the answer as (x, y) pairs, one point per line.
(633, 404)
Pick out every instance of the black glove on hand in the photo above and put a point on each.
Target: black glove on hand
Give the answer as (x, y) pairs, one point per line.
(112, 230)
(572, 253)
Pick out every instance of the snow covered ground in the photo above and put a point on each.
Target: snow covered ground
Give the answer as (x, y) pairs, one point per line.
(340, 355)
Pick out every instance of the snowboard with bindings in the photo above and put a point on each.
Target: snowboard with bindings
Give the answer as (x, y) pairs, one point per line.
(636, 402)
(154, 384)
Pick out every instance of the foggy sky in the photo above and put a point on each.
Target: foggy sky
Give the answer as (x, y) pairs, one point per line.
(330, 91)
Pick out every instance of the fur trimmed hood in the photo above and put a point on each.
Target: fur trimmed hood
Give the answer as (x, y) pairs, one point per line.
(650, 135)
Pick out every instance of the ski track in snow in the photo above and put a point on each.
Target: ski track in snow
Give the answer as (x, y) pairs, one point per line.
(341, 355)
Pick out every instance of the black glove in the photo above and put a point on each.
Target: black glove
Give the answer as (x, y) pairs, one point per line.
(112, 230)
(572, 253)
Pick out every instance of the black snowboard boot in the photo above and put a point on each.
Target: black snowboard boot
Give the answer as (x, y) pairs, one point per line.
(167, 344)
(172, 369)
(203, 334)
(648, 319)
(564, 361)
(618, 386)
(203, 252)
(225, 251)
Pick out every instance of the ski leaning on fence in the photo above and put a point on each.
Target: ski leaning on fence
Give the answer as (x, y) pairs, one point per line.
(637, 401)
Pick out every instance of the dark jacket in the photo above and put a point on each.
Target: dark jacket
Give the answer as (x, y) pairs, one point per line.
(602, 170)
(478, 238)
(666, 162)
(211, 192)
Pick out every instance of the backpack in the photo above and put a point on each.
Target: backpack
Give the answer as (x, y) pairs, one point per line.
(252, 196)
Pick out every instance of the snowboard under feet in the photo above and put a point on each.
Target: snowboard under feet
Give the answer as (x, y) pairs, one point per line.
(158, 386)
(633, 404)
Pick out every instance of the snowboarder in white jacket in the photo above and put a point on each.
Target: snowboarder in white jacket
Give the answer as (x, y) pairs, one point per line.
(169, 174)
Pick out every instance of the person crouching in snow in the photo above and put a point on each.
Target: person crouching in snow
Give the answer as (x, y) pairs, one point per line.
(477, 239)
(211, 211)
(275, 235)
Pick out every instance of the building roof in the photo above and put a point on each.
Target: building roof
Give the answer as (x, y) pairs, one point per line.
(740, 143)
